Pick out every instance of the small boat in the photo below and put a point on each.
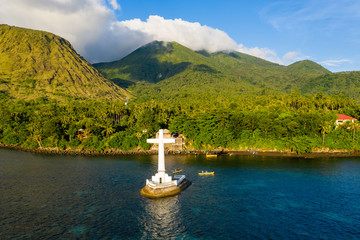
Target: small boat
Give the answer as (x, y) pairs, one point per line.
(211, 155)
(215, 153)
(176, 170)
(206, 173)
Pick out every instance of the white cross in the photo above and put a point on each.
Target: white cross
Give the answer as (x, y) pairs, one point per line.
(161, 140)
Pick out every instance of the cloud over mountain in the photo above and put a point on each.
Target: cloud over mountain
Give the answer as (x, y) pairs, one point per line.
(95, 32)
(192, 35)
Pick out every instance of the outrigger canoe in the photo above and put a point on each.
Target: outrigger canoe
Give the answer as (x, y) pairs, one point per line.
(211, 155)
(206, 173)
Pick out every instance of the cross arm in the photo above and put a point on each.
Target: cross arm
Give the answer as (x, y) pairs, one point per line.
(168, 140)
(165, 140)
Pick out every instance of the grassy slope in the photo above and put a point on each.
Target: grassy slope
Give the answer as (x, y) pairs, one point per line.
(39, 64)
(159, 70)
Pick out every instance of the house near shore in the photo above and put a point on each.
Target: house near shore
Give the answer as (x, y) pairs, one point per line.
(82, 134)
(343, 119)
(177, 146)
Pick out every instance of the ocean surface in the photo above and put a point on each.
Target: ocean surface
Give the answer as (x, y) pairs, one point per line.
(250, 197)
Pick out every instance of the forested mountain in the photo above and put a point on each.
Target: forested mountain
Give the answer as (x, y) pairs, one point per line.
(168, 70)
(346, 83)
(37, 64)
(307, 66)
(220, 100)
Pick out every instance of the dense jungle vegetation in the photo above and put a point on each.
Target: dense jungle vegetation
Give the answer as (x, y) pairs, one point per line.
(50, 97)
(282, 122)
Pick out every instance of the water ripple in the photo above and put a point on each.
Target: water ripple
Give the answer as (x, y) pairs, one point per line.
(62, 197)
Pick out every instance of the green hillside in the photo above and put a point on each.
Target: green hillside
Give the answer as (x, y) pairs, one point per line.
(152, 63)
(307, 66)
(37, 64)
(228, 100)
(346, 83)
(170, 70)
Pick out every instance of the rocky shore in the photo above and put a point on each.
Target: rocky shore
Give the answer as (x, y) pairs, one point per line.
(118, 152)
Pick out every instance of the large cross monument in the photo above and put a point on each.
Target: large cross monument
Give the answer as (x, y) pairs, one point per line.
(161, 177)
(161, 184)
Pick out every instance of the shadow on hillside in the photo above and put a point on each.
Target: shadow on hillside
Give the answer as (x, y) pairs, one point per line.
(204, 53)
(152, 70)
(122, 82)
(204, 68)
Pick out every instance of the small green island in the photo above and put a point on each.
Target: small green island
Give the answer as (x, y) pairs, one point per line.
(51, 99)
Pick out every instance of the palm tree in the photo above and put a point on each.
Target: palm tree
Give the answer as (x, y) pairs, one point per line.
(108, 127)
(354, 125)
(36, 132)
(325, 128)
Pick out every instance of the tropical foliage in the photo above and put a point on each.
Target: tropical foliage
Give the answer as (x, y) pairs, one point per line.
(281, 122)
(50, 97)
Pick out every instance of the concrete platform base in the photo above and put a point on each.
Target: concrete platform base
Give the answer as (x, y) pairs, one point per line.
(150, 192)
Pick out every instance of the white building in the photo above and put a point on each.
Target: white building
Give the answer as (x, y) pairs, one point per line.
(343, 118)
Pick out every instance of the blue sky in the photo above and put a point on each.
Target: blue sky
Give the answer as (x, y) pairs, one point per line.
(325, 31)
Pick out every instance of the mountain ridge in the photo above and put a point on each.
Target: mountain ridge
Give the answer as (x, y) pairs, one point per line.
(308, 66)
(173, 67)
(41, 64)
(37, 64)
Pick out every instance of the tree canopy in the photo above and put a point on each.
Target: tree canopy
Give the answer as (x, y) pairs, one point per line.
(273, 122)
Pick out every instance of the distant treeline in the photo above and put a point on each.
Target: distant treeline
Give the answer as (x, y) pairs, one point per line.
(282, 122)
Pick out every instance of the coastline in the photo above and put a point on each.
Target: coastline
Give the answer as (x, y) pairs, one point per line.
(118, 152)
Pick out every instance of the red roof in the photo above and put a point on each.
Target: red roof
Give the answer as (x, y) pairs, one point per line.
(344, 117)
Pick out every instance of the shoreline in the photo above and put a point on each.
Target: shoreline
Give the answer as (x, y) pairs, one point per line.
(118, 152)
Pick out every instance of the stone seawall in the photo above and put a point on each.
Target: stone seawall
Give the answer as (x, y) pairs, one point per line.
(118, 152)
(164, 192)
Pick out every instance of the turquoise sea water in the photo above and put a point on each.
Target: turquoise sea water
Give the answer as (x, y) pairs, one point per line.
(250, 197)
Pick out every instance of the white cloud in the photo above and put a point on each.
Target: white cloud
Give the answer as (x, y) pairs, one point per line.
(83, 22)
(270, 55)
(319, 14)
(335, 63)
(192, 35)
(92, 28)
(114, 4)
(292, 57)
(263, 53)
